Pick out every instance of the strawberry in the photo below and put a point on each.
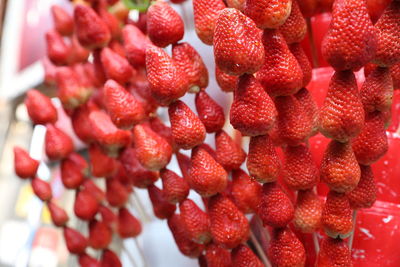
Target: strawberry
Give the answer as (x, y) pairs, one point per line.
(285, 249)
(122, 176)
(226, 82)
(100, 234)
(25, 166)
(128, 225)
(377, 91)
(243, 256)
(229, 226)
(304, 63)
(395, 72)
(161, 207)
(245, 192)
(91, 30)
(184, 164)
(310, 106)
(49, 72)
(140, 88)
(364, 195)
(237, 43)
(85, 205)
(81, 124)
(85, 260)
(63, 22)
(124, 109)
(348, 47)
(300, 172)
(206, 13)
(208, 149)
(98, 70)
(388, 48)
(152, 151)
(342, 115)
(281, 74)
(195, 221)
(308, 7)
(268, 13)
(101, 8)
(117, 195)
(334, 252)
(206, 176)
(339, 167)
(185, 245)
(94, 190)
(58, 144)
(115, 66)
(110, 259)
(308, 211)
(75, 241)
(135, 43)
(210, 112)
(101, 165)
(79, 54)
(161, 129)
(372, 143)
(73, 169)
(175, 188)
(167, 81)
(295, 28)
(238, 4)
(217, 256)
(107, 215)
(57, 51)
(164, 25)
(262, 161)
(275, 208)
(58, 215)
(228, 153)
(189, 60)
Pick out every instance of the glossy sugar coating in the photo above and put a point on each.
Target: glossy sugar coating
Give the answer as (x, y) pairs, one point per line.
(310, 106)
(295, 28)
(161, 207)
(245, 191)
(210, 112)
(226, 82)
(228, 153)
(308, 211)
(243, 256)
(304, 62)
(268, 13)
(334, 253)
(217, 256)
(175, 188)
(364, 195)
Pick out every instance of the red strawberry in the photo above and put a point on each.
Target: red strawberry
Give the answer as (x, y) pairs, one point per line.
(75, 241)
(395, 72)
(228, 153)
(351, 39)
(339, 167)
(98, 71)
(86, 205)
(164, 25)
(152, 151)
(62, 20)
(342, 115)
(58, 144)
(238, 4)
(206, 13)
(243, 256)
(372, 143)
(100, 234)
(304, 63)
(187, 129)
(300, 172)
(135, 43)
(86, 261)
(58, 215)
(184, 164)
(94, 190)
(308, 7)
(73, 169)
(245, 192)
(310, 107)
(175, 188)
(128, 225)
(80, 122)
(25, 166)
(388, 50)
(91, 30)
(49, 71)
(206, 176)
(275, 208)
(334, 252)
(124, 109)
(101, 165)
(117, 195)
(57, 51)
(336, 216)
(262, 161)
(161, 207)
(167, 81)
(115, 66)
(226, 82)
(268, 13)
(229, 226)
(195, 221)
(252, 111)
(217, 256)
(281, 74)
(140, 88)
(189, 60)
(210, 112)
(107, 215)
(185, 245)
(295, 28)
(237, 43)
(79, 54)
(164, 131)
(308, 211)
(113, 24)
(285, 249)
(110, 259)
(364, 195)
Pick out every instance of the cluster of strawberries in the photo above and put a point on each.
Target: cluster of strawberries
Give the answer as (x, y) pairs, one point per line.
(112, 99)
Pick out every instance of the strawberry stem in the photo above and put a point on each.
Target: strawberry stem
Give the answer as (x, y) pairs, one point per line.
(351, 237)
(139, 5)
(311, 40)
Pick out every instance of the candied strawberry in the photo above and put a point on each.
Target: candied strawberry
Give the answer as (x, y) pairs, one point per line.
(206, 13)
(101, 7)
(63, 22)
(85, 205)
(57, 50)
(237, 43)
(308, 211)
(377, 90)
(25, 166)
(161, 207)
(135, 43)
(128, 225)
(175, 188)
(206, 176)
(226, 82)
(216, 255)
(75, 241)
(79, 54)
(304, 63)
(58, 215)
(42, 189)
(229, 226)
(210, 112)
(295, 28)
(351, 39)
(101, 164)
(85, 260)
(73, 170)
(164, 25)
(243, 256)
(245, 191)
(364, 195)
(110, 259)
(117, 195)
(262, 161)
(58, 144)
(228, 153)
(100, 234)
(310, 106)
(342, 115)
(195, 221)
(285, 249)
(339, 167)
(334, 252)
(252, 111)
(268, 13)
(115, 66)
(107, 215)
